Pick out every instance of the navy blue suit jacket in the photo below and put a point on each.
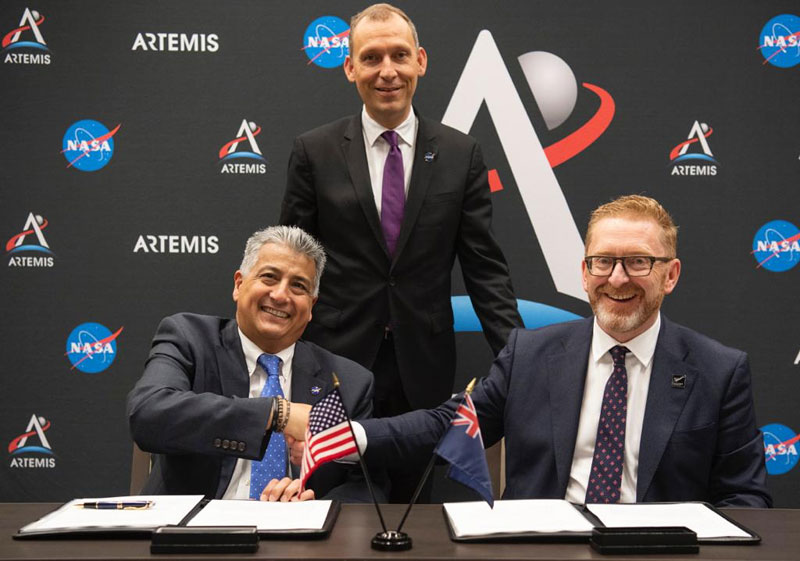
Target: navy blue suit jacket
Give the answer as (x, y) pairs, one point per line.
(192, 400)
(699, 442)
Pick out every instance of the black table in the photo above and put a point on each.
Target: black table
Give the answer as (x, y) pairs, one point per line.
(357, 524)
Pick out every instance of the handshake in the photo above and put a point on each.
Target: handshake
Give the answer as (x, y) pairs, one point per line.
(291, 419)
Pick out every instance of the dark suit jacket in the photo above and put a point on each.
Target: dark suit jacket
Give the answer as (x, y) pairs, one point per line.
(699, 442)
(448, 212)
(192, 400)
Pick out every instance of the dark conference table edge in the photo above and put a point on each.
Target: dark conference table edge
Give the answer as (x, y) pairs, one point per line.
(357, 524)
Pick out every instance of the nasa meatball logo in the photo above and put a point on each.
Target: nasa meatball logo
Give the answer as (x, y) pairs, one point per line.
(91, 347)
(779, 41)
(776, 246)
(88, 145)
(326, 42)
(780, 448)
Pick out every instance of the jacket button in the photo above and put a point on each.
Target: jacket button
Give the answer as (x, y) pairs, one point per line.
(241, 447)
(217, 442)
(392, 281)
(226, 444)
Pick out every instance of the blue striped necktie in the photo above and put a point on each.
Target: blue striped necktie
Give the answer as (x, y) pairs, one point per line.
(273, 465)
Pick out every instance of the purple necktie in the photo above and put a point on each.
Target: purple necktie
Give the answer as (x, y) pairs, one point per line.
(609, 449)
(393, 195)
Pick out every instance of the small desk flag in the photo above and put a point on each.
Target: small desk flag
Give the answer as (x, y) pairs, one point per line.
(462, 447)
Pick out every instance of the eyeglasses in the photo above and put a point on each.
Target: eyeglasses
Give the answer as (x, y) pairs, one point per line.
(634, 265)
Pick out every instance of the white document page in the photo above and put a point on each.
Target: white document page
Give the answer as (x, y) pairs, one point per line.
(166, 509)
(515, 517)
(305, 515)
(696, 516)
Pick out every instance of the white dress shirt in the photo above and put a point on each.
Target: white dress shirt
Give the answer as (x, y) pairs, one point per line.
(239, 487)
(377, 149)
(639, 365)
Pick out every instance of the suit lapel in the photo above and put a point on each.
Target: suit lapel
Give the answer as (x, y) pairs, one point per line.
(234, 380)
(566, 377)
(421, 174)
(356, 156)
(309, 382)
(664, 403)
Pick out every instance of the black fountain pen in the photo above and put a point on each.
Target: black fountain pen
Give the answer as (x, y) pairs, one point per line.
(117, 505)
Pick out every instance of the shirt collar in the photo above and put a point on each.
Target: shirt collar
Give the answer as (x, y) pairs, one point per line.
(407, 130)
(643, 346)
(252, 352)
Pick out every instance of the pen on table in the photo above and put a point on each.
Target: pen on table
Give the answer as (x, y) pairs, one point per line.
(117, 505)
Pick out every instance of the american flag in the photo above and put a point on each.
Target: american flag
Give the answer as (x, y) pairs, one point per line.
(328, 436)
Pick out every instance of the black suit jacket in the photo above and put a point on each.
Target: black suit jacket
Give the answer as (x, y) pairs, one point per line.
(448, 213)
(699, 441)
(191, 407)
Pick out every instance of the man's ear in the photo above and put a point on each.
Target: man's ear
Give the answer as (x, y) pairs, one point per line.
(237, 282)
(349, 71)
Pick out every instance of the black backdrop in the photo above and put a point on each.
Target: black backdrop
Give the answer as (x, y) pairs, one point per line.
(664, 67)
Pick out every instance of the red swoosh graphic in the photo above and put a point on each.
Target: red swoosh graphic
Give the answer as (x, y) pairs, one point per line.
(578, 141)
(12, 241)
(7, 38)
(240, 139)
(674, 153)
(15, 443)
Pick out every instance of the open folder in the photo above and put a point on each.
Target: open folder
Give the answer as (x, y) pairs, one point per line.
(302, 519)
(558, 520)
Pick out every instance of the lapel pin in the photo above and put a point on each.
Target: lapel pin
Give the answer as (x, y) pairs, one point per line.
(315, 390)
(679, 382)
(430, 156)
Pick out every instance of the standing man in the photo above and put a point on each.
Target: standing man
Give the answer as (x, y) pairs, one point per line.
(625, 406)
(394, 198)
(213, 401)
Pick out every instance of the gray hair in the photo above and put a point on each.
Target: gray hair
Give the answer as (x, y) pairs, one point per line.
(296, 239)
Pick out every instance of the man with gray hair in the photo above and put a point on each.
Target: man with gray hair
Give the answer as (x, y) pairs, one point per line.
(217, 394)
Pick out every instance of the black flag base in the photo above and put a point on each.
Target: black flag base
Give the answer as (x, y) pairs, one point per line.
(391, 540)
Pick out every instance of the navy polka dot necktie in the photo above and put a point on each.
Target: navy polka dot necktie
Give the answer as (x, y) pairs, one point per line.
(609, 450)
(273, 465)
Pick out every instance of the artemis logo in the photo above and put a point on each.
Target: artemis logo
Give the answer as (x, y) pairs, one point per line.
(248, 131)
(698, 135)
(176, 42)
(485, 78)
(162, 243)
(37, 426)
(13, 40)
(17, 244)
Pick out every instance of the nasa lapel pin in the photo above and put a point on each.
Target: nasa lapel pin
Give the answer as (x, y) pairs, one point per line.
(315, 390)
(679, 381)
(429, 157)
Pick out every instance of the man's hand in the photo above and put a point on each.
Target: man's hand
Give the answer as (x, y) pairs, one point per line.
(298, 421)
(296, 449)
(285, 490)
